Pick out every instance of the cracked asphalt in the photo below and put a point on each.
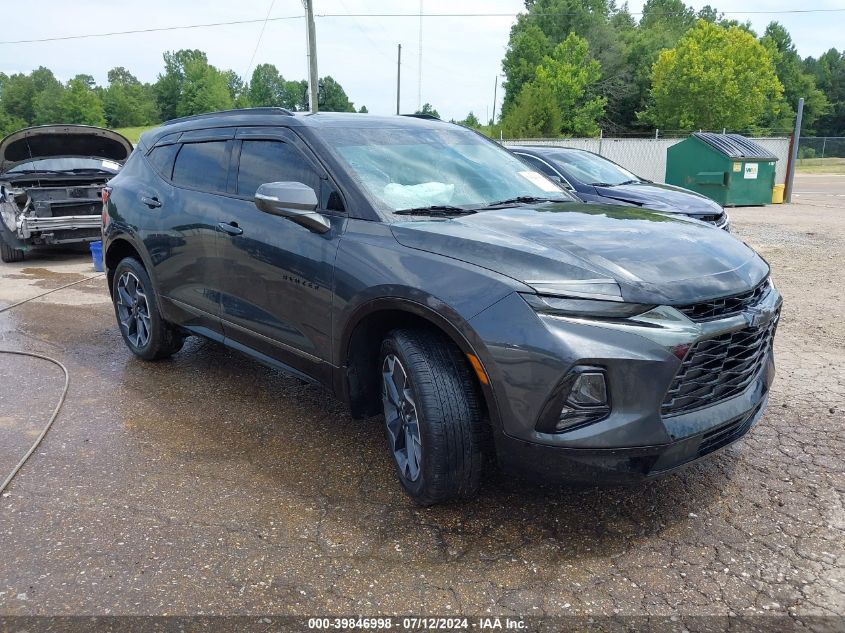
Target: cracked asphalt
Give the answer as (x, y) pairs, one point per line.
(209, 484)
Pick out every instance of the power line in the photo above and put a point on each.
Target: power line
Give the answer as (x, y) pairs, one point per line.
(260, 35)
(153, 30)
(384, 15)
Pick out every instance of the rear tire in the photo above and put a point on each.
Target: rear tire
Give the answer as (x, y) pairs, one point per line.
(433, 416)
(145, 333)
(8, 254)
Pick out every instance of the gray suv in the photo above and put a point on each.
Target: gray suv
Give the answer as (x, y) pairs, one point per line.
(420, 271)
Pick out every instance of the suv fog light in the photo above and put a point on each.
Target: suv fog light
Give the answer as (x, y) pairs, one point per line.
(580, 399)
(588, 390)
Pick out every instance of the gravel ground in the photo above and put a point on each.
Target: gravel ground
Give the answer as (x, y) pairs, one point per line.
(209, 484)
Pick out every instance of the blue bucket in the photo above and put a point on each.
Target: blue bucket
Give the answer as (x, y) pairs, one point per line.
(97, 255)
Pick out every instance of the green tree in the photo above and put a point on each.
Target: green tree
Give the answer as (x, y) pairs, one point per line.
(81, 103)
(9, 124)
(237, 89)
(600, 22)
(563, 94)
(527, 47)
(715, 77)
(829, 72)
(534, 115)
(204, 89)
(20, 93)
(267, 87)
(331, 97)
(126, 101)
(429, 109)
(470, 121)
(170, 84)
(296, 95)
(363, 109)
(796, 81)
(662, 24)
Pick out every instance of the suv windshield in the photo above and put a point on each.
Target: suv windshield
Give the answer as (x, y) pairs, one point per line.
(406, 168)
(592, 169)
(67, 164)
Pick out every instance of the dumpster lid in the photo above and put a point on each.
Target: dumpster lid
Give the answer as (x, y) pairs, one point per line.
(735, 145)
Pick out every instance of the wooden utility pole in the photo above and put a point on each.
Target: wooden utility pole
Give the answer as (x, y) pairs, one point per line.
(398, 74)
(311, 33)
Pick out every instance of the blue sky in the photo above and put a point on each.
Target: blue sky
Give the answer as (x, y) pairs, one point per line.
(460, 56)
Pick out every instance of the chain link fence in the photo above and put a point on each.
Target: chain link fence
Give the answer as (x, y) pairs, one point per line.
(811, 147)
(646, 157)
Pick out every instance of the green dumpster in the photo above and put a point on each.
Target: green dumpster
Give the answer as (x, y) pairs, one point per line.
(727, 168)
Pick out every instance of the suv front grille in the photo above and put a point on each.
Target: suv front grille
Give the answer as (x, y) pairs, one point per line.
(719, 368)
(729, 432)
(725, 306)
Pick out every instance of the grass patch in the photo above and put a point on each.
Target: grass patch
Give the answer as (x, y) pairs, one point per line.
(133, 133)
(821, 166)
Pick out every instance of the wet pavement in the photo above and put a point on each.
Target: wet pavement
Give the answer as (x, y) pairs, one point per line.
(211, 484)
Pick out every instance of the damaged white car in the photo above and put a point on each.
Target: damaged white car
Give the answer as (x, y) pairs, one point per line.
(51, 181)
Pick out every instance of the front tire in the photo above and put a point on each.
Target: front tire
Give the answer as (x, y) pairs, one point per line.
(145, 333)
(8, 254)
(433, 417)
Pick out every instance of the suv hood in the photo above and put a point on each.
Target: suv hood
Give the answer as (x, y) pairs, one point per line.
(54, 141)
(656, 258)
(662, 198)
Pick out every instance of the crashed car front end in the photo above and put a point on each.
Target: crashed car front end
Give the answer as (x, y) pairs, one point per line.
(46, 216)
(51, 181)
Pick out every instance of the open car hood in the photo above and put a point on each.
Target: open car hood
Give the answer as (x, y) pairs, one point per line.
(54, 141)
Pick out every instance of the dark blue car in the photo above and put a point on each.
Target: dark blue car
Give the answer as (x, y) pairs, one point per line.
(593, 178)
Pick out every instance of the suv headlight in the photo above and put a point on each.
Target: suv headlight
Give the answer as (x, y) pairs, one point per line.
(595, 308)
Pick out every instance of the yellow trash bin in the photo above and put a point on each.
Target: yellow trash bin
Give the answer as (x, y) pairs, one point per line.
(777, 194)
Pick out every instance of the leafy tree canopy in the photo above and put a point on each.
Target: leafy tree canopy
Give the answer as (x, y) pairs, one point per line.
(428, 109)
(561, 97)
(715, 77)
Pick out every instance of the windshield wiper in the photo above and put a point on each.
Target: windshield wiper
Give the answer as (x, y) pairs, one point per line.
(614, 184)
(435, 209)
(522, 200)
(85, 170)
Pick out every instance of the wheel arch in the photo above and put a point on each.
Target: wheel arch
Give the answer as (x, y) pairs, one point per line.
(360, 342)
(119, 248)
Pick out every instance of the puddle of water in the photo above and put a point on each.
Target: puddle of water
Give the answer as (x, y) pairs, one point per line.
(45, 273)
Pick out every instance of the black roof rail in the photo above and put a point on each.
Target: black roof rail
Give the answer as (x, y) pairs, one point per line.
(236, 112)
(430, 117)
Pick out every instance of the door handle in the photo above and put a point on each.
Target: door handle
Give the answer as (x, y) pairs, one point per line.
(151, 201)
(231, 228)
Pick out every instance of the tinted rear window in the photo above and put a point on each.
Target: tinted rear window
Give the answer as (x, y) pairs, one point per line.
(202, 166)
(273, 161)
(161, 159)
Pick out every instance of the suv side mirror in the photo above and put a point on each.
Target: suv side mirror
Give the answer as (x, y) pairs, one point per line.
(292, 200)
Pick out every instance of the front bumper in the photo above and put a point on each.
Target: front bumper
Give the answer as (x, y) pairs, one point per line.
(628, 465)
(636, 440)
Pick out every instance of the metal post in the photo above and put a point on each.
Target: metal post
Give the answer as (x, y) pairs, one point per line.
(793, 156)
(495, 88)
(824, 145)
(656, 133)
(601, 137)
(311, 33)
(398, 74)
(419, 68)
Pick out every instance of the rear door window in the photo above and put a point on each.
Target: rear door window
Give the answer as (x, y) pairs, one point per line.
(162, 158)
(202, 166)
(265, 161)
